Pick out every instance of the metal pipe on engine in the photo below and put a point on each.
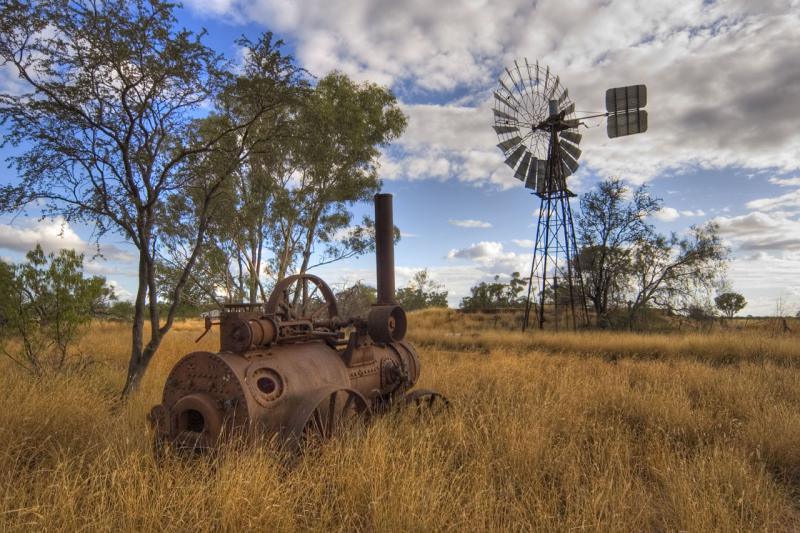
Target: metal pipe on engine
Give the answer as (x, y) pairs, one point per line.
(384, 248)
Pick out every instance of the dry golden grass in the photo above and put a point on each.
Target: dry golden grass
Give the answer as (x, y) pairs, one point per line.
(594, 431)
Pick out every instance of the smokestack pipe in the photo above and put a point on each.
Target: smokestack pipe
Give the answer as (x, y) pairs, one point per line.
(384, 248)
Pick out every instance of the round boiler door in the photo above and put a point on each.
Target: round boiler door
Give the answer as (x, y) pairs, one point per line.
(264, 383)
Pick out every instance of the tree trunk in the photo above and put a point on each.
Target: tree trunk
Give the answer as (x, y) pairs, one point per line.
(135, 366)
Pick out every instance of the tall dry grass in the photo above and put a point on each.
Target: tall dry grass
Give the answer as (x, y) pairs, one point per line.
(600, 431)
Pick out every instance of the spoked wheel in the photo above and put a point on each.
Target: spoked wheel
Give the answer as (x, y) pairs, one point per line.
(302, 296)
(427, 401)
(336, 411)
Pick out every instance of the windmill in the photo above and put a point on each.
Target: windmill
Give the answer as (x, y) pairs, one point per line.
(538, 129)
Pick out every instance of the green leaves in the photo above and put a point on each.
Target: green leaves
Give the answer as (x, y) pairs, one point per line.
(47, 304)
(421, 292)
(496, 294)
(730, 303)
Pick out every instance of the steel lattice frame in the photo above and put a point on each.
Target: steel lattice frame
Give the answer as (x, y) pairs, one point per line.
(555, 258)
(534, 121)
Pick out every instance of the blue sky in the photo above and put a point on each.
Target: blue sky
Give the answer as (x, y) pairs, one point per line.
(723, 143)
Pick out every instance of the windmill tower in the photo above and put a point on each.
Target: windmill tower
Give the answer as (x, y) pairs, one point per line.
(537, 126)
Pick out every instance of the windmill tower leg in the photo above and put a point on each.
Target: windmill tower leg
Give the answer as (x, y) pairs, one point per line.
(555, 253)
(539, 252)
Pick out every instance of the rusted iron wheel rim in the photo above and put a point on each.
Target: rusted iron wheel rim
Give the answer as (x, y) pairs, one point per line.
(293, 298)
(427, 401)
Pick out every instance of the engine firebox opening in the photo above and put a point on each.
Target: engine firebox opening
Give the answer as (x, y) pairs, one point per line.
(191, 420)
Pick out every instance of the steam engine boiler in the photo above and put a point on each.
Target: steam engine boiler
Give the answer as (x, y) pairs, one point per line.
(285, 368)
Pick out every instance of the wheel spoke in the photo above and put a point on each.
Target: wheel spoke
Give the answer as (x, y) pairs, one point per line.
(319, 308)
(304, 301)
(316, 288)
(318, 423)
(348, 403)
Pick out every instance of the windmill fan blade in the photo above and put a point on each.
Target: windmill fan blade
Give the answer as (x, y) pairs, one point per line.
(570, 109)
(511, 77)
(542, 173)
(570, 149)
(554, 87)
(505, 129)
(565, 171)
(504, 116)
(627, 123)
(570, 164)
(574, 138)
(502, 99)
(530, 180)
(624, 98)
(522, 171)
(503, 83)
(515, 155)
(563, 97)
(505, 146)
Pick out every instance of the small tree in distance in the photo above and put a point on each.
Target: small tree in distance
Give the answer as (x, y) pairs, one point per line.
(422, 292)
(356, 299)
(730, 303)
(496, 294)
(46, 304)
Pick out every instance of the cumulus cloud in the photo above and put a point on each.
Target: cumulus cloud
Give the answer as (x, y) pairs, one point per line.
(721, 74)
(785, 182)
(767, 278)
(52, 235)
(523, 243)
(470, 223)
(667, 214)
(492, 255)
(788, 200)
(119, 291)
(758, 231)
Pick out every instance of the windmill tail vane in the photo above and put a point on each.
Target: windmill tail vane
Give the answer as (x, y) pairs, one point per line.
(538, 132)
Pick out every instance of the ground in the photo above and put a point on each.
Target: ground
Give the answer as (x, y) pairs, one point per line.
(548, 431)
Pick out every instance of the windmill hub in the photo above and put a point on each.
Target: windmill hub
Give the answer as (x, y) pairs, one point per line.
(537, 126)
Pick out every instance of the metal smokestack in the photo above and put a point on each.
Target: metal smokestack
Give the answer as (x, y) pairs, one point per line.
(384, 248)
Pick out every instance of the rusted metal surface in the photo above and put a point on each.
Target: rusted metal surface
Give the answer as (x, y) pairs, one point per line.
(384, 248)
(293, 368)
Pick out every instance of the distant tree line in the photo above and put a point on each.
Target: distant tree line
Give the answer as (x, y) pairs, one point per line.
(421, 292)
(627, 267)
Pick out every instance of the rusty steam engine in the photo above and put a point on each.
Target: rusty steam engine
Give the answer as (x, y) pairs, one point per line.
(284, 368)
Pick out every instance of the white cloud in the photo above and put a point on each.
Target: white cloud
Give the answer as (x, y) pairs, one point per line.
(695, 213)
(790, 200)
(785, 182)
(667, 214)
(52, 235)
(470, 223)
(765, 279)
(523, 243)
(721, 74)
(121, 292)
(761, 231)
(492, 257)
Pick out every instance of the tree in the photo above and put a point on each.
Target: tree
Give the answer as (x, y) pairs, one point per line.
(669, 271)
(496, 295)
(611, 222)
(356, 299)
(290, 200)
(730, 303)
(46, 304)
(107, 128)
(421, 292)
